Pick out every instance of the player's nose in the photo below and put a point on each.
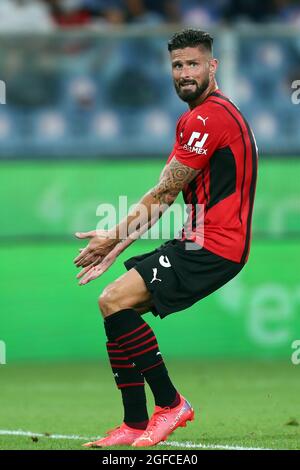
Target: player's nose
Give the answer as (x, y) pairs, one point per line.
(185, 73)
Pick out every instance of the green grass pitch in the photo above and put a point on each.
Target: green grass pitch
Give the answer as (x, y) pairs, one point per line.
(237, 403)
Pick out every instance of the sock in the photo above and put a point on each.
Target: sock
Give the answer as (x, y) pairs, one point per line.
(176, 401)
(135, 409)
(132, 386)
(135, 337)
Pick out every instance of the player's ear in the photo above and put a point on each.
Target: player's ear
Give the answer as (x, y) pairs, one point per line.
(213, 65)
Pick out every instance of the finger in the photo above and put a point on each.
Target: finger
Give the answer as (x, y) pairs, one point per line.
(106, 263)
(85, 262)
(87, 276)
(83, 271)
(101, 268)
(90, 266)
(88, 260)
(88, 256)
(96, 271)
(82, 256)
(89, 234)
(91, 259)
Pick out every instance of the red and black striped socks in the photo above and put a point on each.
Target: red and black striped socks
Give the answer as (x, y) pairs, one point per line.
(132, 386)
(130, 382)
(138, 343)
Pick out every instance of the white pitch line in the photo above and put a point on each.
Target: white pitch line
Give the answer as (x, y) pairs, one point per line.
(192, 445)
(183, 445)
(6, 432)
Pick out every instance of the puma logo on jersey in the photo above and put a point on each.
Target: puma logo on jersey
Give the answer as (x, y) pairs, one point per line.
(202, 119)
(164, 261)
(154, 276)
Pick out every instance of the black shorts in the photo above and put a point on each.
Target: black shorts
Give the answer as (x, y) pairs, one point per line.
(177, 277)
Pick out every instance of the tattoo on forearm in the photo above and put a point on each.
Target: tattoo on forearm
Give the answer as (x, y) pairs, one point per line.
(173, 179)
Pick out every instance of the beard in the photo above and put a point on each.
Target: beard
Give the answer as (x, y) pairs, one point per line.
(188, 95)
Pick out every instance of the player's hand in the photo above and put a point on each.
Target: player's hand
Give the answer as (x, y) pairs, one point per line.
(99, 246)
(97, 269)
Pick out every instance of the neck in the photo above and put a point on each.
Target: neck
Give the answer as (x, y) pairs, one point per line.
(210, 89)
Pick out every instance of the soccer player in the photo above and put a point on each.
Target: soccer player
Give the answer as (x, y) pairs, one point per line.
(214, 164)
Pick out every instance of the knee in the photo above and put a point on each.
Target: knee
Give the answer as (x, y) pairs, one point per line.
(108, 301)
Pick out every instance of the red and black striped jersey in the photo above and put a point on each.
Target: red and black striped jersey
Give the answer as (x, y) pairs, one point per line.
(216, 139)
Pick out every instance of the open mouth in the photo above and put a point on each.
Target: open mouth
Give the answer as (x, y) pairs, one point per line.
(187, 85)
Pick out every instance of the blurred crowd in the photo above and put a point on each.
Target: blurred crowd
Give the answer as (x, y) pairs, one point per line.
(45, 15)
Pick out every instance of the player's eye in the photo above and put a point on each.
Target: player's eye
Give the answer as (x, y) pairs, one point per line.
(193, 64)
(177, 66)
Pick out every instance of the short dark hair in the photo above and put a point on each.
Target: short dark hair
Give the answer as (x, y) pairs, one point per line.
(191, 38)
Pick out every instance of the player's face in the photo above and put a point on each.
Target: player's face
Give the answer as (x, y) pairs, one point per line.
(191, 72)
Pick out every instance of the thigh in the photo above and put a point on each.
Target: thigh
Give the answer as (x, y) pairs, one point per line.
(130, 291)
(144, 307)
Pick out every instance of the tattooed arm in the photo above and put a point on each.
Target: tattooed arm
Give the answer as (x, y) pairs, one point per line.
(104, 248)
(155, 202)
(172, 180)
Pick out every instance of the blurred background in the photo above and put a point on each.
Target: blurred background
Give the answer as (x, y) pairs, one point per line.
(90, 114)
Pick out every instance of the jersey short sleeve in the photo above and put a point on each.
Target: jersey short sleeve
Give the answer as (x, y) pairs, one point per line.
(198, 137)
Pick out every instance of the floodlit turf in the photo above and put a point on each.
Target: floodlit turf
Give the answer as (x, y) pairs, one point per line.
(246, 404)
